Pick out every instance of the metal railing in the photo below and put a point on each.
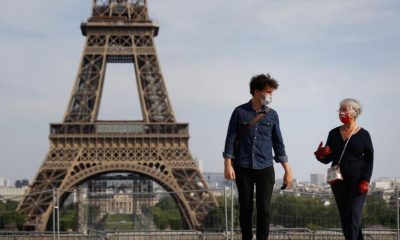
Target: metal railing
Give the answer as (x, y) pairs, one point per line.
(116, 127)
(110, 222)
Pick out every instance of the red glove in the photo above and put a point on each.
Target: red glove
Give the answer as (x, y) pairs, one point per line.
(322, 151)
(363, 186)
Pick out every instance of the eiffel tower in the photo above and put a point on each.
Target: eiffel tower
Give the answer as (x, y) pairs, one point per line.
(81, 147)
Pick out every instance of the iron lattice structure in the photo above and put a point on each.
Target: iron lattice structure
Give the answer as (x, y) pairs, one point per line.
(119, 31)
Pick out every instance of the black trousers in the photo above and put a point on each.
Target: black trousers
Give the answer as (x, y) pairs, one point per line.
(264, 180)
(349, 202)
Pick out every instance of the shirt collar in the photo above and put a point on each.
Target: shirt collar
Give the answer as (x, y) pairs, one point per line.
(248, 106)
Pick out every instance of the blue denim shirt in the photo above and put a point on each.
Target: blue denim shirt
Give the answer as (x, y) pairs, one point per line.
(256, 144)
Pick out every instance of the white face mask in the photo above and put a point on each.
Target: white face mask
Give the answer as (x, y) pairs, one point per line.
(266, 100)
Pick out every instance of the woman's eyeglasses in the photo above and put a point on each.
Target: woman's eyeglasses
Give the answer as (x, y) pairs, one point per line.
(343, 111)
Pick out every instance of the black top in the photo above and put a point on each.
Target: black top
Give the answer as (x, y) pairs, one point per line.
(358, 158)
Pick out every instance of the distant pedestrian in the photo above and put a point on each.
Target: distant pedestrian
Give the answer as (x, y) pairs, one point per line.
(253, 133)
(349, 147)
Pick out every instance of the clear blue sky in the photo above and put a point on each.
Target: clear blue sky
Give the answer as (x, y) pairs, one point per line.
(319, 51)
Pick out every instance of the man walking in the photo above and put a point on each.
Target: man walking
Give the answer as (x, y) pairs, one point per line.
(253, 133)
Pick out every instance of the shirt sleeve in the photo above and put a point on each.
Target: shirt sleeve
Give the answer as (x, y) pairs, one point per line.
(230, 136)
(329, 142)
(277, 142)
(368, 156)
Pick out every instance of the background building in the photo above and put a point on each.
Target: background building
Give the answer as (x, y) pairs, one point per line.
(8, 191)
(21, 183)
(317, 179)
(2, 182)
(384, 184)
(215, 180)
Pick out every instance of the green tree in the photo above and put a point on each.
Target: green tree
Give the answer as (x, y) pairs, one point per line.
(166, 214)
(293, 211)
(9, 217)
(215, 218)
(68, 218)
(377, 212)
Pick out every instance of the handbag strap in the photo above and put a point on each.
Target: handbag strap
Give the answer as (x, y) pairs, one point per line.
(340, 159)
(252, 123)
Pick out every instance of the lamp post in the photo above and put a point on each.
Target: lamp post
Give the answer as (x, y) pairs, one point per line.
(397, 204)
(54, 213)
(232, 210)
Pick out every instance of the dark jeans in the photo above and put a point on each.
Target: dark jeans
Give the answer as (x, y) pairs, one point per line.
(264, 180)
(349, 201)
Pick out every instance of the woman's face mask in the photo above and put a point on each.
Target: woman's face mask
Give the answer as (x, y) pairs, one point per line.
(345, 116)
